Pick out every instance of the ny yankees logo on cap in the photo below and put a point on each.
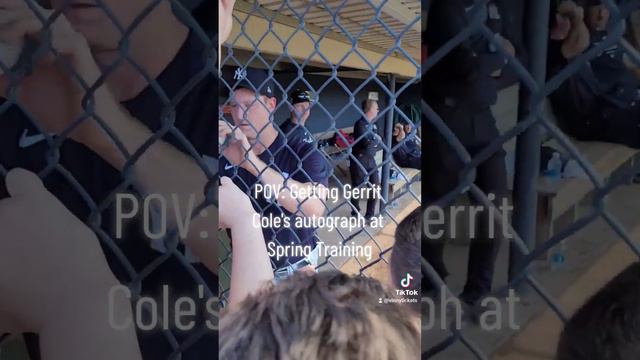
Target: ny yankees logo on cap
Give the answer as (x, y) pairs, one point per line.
(240, 74)
(253, 79)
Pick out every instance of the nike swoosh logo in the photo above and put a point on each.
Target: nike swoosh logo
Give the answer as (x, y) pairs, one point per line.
(228, 166)
(30, 140)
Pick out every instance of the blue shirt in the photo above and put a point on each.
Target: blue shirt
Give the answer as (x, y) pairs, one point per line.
(410, 147)
(616, 83)
(296, 133)
(366, 139)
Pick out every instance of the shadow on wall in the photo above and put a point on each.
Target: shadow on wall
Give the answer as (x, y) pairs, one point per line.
(334, 98)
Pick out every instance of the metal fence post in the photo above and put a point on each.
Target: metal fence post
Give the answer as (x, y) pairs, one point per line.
(388, 134)
(528, 144)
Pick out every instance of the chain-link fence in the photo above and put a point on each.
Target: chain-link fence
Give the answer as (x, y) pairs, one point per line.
(533, 129)
(167, 85)
(340, 53)
(357, 49)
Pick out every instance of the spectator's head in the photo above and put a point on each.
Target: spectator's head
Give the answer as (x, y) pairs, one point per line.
(405, 257)
(300, 106)
(607, 327)
(408, 126)
(370, 109)
(596, 14)
(329, 315)
(397, 128)
(253, 103)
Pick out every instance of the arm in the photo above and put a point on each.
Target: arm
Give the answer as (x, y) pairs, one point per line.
(469, 63)
(250, 266)
(239, 152)
(577, 41)
(502, 61)
(161, 169)
(571, 30)
(55, 100)
(225, 23)
(446, 20)
(401, 151)
(55, 279)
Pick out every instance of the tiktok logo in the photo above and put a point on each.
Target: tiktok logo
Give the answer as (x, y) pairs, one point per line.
(406, 282)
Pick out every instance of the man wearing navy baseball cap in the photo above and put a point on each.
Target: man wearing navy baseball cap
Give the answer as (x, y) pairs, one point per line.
(257, 157)
(294, 127)
(253, 102)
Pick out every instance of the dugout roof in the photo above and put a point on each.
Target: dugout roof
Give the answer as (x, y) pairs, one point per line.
(251, 29)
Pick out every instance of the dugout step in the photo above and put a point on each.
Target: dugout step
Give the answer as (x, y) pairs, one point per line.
(562, 203)
(539, 338)
(587, 251)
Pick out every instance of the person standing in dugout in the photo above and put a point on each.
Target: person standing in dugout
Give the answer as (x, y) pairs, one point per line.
(461, 89)
(363, 167)
(256, 154)
(294, 127)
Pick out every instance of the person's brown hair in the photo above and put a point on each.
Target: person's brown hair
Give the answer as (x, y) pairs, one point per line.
(607, 326)
(328, 315)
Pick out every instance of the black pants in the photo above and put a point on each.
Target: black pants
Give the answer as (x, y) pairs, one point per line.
(603, 122)
(608, 124)
(364, 171)
(444, 173)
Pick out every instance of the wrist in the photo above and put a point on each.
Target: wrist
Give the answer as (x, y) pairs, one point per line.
(239, 220)
(83, 61)
(86, 301)
(92, 135)
(253, 164)
(87, 74)
(99, 142)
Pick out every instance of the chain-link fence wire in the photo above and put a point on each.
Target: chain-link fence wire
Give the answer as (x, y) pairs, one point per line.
(34, 52)
(534, 118)
(352, 30)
